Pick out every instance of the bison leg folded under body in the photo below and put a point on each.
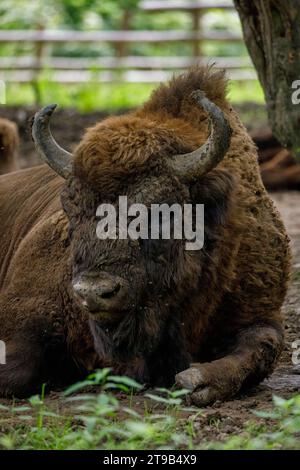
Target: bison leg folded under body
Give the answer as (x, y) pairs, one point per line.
(35, 356)
(250, 361)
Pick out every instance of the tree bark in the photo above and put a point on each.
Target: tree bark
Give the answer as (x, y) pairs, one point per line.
(272, 34)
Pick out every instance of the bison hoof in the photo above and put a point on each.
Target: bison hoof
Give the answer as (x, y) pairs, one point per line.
(206, 385)
(189, 378)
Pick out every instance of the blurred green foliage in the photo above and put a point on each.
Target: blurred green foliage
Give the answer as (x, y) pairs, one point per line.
(84, 15)
(73, 14)
(111, 96)
(88, 15)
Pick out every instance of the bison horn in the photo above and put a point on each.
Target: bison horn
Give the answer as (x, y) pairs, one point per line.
(193, 165)
(56, 157)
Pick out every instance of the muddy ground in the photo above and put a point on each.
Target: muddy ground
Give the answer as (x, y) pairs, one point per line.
(231, 416)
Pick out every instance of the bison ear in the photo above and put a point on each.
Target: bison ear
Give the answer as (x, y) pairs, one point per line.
(214, 190)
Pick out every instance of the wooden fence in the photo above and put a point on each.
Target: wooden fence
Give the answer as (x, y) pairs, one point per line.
(122, 66)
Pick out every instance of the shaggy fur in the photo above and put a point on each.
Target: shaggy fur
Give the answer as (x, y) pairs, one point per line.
(9, 143)
(218, 308)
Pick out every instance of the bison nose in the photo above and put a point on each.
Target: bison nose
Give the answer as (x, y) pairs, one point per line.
(100, 292)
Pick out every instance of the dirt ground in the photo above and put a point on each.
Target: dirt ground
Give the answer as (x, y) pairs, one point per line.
(285, 381)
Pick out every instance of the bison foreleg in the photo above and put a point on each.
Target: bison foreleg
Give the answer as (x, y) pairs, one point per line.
(19, 374)
(251, 359)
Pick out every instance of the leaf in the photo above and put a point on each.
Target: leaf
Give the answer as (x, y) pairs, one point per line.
(83, 397)
(131, 383)
(180, 393)
(139, 428)
(166, 401)
(265, 414)
(99, 375)
(4, 408)
(166, 391)
(78, 386)
(114, 386)
(50, 414)
(280, 402)
(20, 409)
(131, 412)
(35, 400)
(7, 442)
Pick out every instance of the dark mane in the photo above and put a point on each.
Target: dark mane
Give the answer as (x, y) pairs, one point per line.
(173, 97)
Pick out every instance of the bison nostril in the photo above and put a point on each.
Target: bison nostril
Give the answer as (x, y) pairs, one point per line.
(111, 293)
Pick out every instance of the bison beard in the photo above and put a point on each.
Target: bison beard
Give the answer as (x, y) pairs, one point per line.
(152, 357)
(70, 303)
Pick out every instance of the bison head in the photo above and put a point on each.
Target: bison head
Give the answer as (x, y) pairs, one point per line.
(135, 291)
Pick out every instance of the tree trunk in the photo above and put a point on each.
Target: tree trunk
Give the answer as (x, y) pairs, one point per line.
(272, 34)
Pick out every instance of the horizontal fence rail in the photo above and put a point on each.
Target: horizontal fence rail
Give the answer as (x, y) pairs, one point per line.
(130, 76)
(115, 63)
(160, 6)
(55, 36)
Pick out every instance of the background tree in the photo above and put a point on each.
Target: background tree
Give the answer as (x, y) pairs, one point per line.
(272, 34)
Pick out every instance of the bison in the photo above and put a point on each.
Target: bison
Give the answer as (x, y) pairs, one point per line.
(9, 143)
(209, 320)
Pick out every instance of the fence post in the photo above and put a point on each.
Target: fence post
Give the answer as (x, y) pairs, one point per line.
(39, 54)
(197, 46)
(121, 48)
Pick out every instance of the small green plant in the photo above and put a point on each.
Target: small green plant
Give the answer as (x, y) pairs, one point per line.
(280, 429)
(107, 381)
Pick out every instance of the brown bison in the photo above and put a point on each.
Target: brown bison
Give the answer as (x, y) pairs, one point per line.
(9, 142)
(208, 319)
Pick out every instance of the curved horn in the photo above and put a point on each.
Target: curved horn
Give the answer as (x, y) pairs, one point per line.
(193, 165)
(56, 157)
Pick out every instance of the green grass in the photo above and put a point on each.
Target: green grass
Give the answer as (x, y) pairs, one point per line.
(110, 97)
(90, 415)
